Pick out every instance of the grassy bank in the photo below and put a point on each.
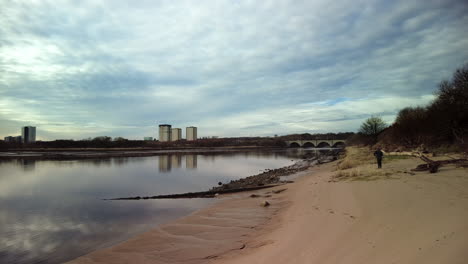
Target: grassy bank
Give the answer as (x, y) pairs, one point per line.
(359, 163)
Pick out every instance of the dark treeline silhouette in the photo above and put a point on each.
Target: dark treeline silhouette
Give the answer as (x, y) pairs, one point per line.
(119, 142)
(102, 142)
(307, 136)
(444, 121)
(441, 123)
(107, 142)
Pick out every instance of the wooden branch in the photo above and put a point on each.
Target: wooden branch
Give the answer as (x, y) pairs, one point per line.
(433, 166)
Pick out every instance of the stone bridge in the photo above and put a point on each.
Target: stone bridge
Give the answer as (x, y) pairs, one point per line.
(316, 143)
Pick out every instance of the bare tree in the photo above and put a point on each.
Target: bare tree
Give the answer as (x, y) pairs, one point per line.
(372, 126)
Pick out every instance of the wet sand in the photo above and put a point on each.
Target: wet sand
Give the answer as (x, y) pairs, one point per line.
(395, 218)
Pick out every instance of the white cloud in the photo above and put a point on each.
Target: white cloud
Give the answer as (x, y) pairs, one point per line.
(118, 68)
(325, 116)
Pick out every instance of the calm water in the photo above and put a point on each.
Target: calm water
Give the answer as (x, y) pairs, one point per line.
(52, 211)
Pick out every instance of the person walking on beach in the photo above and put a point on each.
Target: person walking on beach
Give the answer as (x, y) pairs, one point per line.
(379, 154)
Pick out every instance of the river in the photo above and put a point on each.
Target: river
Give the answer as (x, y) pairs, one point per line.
(53, 211)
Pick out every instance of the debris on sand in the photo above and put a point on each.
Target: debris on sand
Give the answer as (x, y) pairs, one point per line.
(273, 176)
(433, 166)
(279, 191)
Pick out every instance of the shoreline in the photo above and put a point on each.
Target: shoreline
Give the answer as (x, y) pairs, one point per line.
(401, 217)
(267, 179)
(202, 236)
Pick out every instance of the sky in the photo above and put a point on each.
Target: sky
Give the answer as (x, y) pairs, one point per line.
(79, 69)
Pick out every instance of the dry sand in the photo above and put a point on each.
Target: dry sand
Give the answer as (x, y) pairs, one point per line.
(395, 217)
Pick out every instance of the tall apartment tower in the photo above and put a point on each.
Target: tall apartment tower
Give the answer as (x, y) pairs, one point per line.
(164, 133)
(176, 134)
(191, 133)
(28, 134)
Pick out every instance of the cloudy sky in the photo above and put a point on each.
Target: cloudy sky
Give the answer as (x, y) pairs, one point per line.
(78, 69)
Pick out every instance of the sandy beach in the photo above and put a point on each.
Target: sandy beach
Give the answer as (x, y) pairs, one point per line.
(391, 216)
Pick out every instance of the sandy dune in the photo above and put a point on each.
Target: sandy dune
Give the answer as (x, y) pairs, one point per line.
(397, 218)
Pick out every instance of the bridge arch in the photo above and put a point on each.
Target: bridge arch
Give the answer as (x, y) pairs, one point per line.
(294, 145)
(323, 144)
(308, 145)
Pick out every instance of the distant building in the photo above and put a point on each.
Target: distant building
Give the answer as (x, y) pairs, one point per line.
(191, 133)
(148, 138)
(12, 139)
(164, 133)
(28, 134)
(176, 134)
(8, 139)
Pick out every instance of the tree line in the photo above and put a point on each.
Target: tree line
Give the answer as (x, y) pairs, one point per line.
(444, 121)
(120, 142)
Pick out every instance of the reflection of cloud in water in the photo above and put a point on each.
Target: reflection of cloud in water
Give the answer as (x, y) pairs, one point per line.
(78, 228)
(33, 236)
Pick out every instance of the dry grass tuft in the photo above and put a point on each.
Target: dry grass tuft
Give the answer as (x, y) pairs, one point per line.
(343, 174)
(356, 156)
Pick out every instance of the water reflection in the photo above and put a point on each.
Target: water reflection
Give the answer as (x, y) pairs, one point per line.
(307, 152)
(66, 233)
(191, 161)
(164, 163)
(24, 164)
(176, 161)
(52, 211)
(27, 165)
(102, 162)
(120, 161)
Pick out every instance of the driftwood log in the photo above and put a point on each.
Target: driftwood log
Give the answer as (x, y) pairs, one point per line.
(433, 165)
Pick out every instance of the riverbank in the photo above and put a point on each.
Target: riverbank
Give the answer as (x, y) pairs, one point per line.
(373, 216)
(267, 179)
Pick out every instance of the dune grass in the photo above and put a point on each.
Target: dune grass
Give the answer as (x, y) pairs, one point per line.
(359, 163)
(355, 156)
